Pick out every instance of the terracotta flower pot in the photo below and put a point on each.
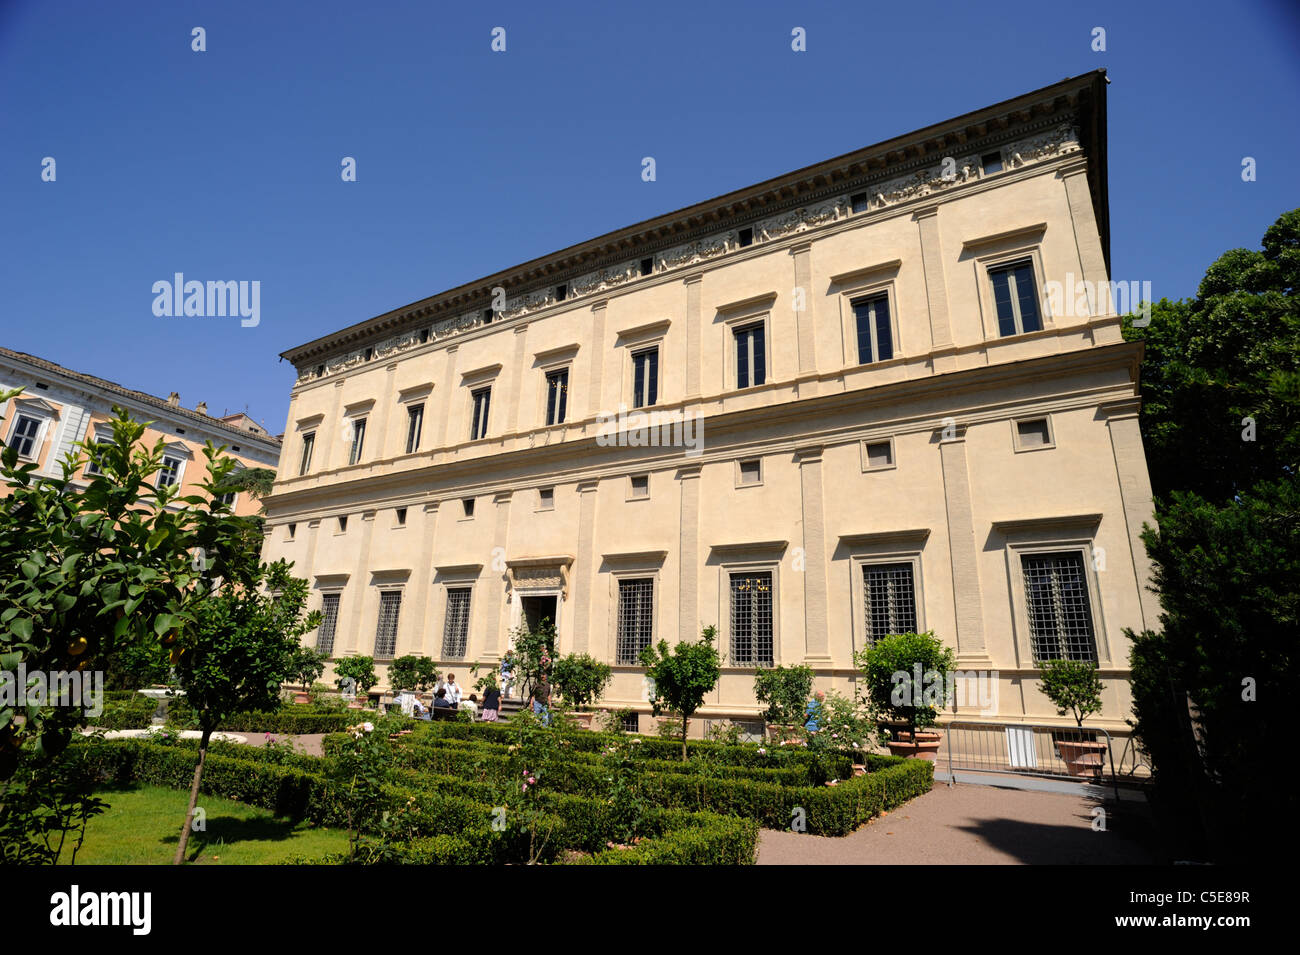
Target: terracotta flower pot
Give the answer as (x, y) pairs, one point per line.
(303, 697)
(1083, 757)
(926, 745)
(583, 719)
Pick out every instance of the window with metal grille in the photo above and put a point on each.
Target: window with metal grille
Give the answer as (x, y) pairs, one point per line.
(645, 378)
(1015, 298)
(751, 618)
(478, 424)
(889, 595)
(358, 440)
(1060, 617)
(170, 473)
(751, 356)
(23, 438)
(414, 425)
(635, 618)
(329, 621)
(557, 395)
(308, 444)
(875, 334)
(455, 628)
(390, 606)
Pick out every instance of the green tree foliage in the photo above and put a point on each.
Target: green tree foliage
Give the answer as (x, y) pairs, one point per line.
(238, 652)
(907, 677)
(785, 690)
(306, 664)
(1209, 687)
(358, 668)
(682, 675)
(581, 679)
(1231, 353)
(88, 575)
(1073, 687)
(531, 656)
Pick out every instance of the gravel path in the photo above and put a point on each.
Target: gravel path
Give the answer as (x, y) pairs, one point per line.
(308, 743)
(975, 825)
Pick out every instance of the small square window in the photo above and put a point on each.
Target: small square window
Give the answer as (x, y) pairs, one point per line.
(858, 202)
(992, 162)
(631, 722)
(640, 486)
(487, 314)
(401, 516)
(746, 237)
(751, 473)
(424, 335)
(545, 498)
(467, 506)
(561, 292)
(1033, 434)
(343, 524)
(370, 353)
(320, 371)
(878, 454)
(293, 529)
(647, 266)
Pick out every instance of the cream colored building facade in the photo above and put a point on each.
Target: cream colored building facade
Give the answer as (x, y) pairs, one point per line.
(890, 423)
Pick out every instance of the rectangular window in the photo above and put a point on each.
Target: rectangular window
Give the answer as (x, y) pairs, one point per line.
(308, 444)
(858, 202)
(889, 595)
(992, 162)
(23, 438)
(390, 607)
(545, 498)
(746, 237)
(557, 395)
(455, 628)
(414, 424)
(467, 507)
(1060, 617)
(1015, 298)
(1033, 434)
(751, 472)
(640, 486)
(875, 334)
(635, 619)
(358, 440)
(880, 454)
(645, 378)
(170, 474)
(751, 357)
(293, 529)
(343, 525)
(751, 619)
(482, 399)
(228, 499)
(91, 467)
(329, 621)
(400, 514)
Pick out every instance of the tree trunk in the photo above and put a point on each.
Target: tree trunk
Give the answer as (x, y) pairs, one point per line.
(685, 724)
(194, 798)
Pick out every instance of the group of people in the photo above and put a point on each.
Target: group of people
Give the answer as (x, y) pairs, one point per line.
(448, 695)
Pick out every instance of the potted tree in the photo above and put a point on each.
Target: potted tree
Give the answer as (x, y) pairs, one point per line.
(360, 670)
(1074, 687)
(581, 680)
(906, 677)
(306, 665)
(785, 690)
(682, 675)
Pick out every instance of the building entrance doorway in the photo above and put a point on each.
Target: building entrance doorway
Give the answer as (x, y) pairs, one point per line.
(536, 608)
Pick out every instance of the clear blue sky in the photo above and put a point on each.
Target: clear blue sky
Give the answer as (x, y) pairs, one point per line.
(225, 164)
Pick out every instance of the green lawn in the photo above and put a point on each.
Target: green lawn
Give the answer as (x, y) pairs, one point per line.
(141, 826)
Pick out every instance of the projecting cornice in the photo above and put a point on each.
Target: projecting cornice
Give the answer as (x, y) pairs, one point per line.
(1065, 117)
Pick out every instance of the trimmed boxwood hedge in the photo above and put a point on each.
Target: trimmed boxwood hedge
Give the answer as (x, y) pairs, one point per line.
(126, 713)
(454, 826)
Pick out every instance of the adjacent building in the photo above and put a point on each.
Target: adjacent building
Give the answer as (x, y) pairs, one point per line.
(61, 408)
(865, 397)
